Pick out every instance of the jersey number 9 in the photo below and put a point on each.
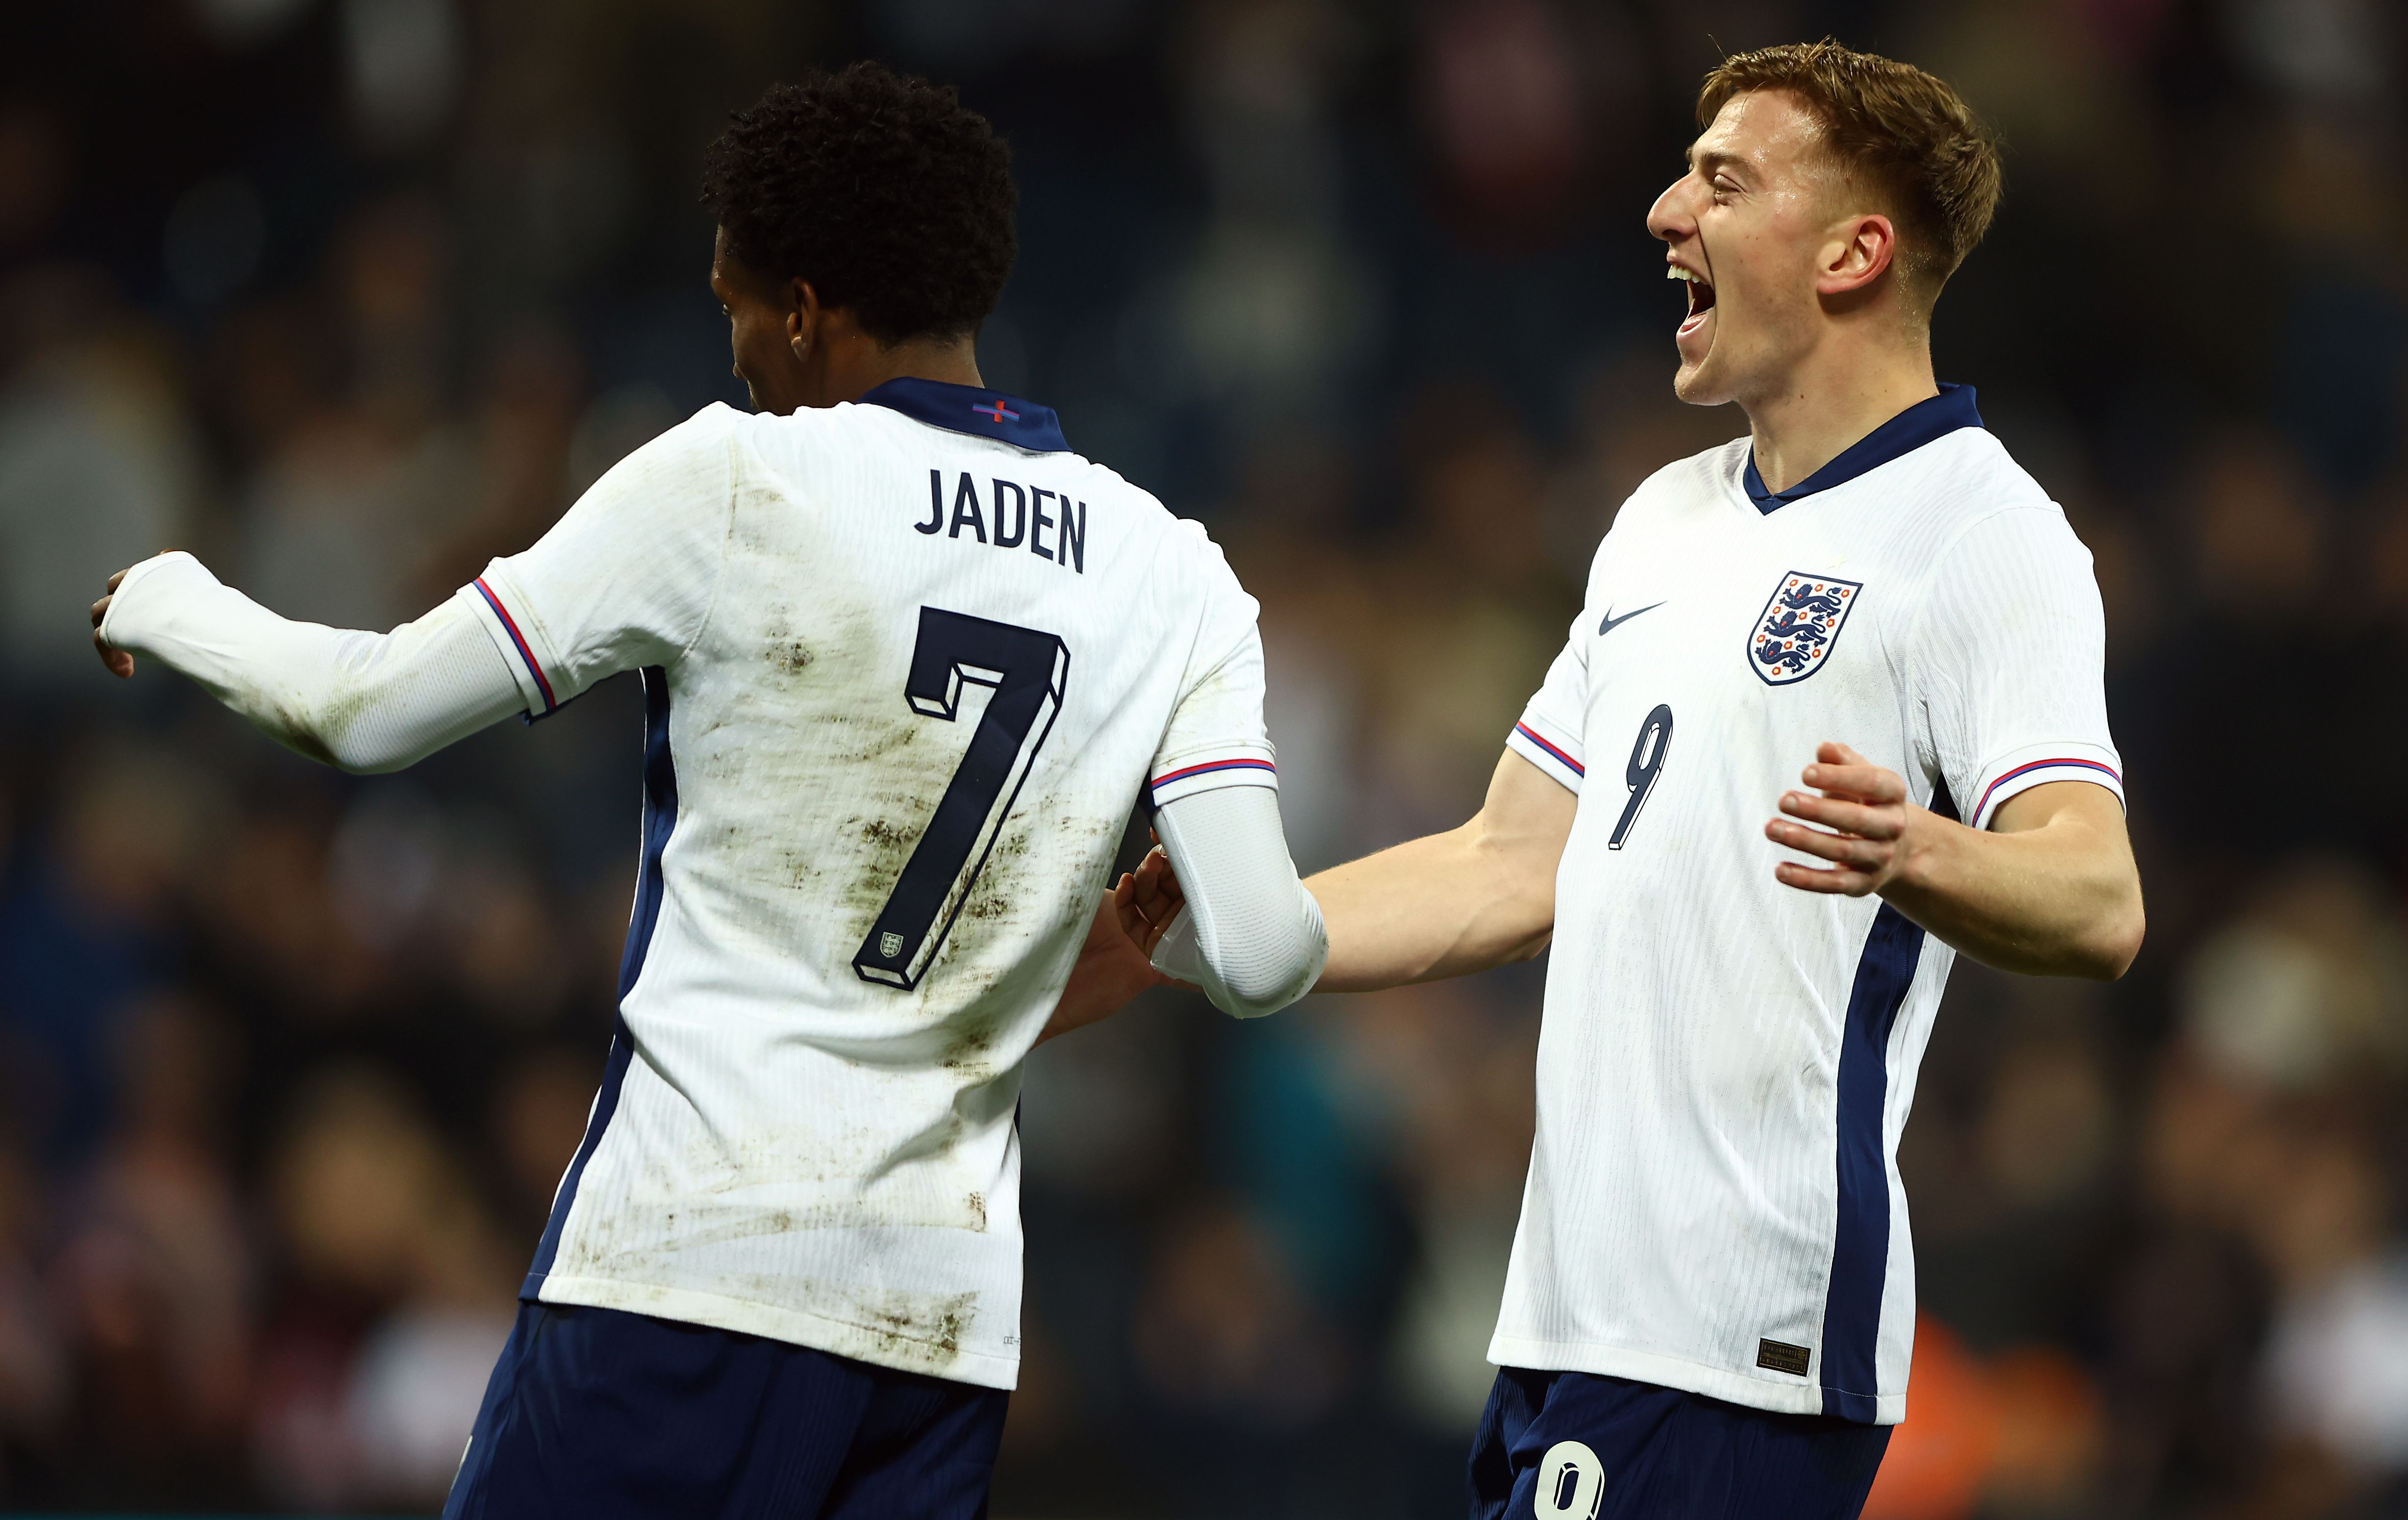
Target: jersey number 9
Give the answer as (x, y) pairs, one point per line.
(1646, 764)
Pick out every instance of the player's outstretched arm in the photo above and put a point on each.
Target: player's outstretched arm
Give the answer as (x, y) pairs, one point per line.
(2049, 889)
(1249, 936)
(1450, 904)
(360, 701)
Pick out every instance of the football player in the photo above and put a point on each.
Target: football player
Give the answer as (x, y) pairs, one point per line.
(1711, 1302)
(909, 662)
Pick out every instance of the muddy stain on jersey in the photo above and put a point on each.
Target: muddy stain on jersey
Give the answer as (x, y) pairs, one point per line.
(926, 1329)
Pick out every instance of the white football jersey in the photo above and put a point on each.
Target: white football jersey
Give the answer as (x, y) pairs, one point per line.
(907, 666)
(1726, 1062)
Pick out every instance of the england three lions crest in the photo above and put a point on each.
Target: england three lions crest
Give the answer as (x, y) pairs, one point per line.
(1800, 623)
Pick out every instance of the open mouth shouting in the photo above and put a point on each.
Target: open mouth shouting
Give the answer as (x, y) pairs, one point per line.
(1701, 297)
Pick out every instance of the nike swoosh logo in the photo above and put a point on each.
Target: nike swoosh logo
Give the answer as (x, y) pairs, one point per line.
(1613, 622)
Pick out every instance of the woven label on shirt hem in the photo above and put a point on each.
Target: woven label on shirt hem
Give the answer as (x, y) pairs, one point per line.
(1781, 1356)
(1779, 1394)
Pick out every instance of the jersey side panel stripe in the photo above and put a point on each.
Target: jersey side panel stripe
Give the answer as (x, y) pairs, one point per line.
(1860, 1243)
(660, 820)
(606, 1103)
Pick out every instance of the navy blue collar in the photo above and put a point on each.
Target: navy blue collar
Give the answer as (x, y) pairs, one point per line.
(966, 409)
(1910, 430)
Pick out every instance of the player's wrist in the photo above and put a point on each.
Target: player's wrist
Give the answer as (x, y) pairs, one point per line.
(1921, 844)
(148, 592)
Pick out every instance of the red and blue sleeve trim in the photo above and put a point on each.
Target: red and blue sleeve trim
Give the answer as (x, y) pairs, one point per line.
(1532, 735)
(1210, 766)
(2044, 765)
(533, 666)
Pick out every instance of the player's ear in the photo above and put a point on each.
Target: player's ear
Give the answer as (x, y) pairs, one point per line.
(803, 320)
(1860, 251)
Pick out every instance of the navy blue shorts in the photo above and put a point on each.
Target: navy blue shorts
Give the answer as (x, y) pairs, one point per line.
(1575, 1446)
(600, 1415)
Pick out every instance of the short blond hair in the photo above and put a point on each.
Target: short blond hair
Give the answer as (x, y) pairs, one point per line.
(1929, 157)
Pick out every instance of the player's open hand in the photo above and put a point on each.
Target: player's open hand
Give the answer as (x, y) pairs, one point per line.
(1116, 962)
(1863, 812)
(1148, 900)
(119, 662)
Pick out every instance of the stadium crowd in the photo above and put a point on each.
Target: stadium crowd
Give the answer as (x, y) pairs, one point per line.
(350, 296)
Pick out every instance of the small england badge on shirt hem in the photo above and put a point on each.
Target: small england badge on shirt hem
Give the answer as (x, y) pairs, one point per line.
(1799, 625)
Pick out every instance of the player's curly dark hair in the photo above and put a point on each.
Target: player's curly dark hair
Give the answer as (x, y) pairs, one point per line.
(883, 190)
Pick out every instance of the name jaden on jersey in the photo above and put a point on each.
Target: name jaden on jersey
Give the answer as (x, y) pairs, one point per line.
(1020, 518)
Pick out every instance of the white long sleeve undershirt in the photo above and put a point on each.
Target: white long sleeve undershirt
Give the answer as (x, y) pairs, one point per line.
(362, 701)
(1251, 935)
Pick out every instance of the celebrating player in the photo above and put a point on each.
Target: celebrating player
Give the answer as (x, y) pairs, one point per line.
(1712, 1296)
(909, 663)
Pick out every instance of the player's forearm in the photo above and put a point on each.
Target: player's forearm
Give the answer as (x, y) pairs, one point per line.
(1252, 936)
(1445, 905)
(2061, 899)
(1454, 903)
(360, 701)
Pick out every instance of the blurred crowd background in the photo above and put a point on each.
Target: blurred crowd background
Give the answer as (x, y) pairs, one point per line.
(350, 296)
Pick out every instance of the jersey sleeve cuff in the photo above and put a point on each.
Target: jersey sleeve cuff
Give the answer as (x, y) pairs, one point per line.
(1207, 771)
(2036, 765)
(1549, 747)
(124, 626)
(498, 608)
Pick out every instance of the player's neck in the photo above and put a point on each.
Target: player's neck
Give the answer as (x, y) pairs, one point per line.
(1838, 395)
(856, 368)
(954, 361)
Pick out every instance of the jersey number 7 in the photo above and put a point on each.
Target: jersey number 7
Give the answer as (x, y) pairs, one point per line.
(1027, 670)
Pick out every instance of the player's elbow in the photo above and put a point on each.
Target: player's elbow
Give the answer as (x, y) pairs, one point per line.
(2114, 942)
(1284, 968)
(2107, 939)
(1513, 916)
(302, 737)
(1257, 997)
(342, 751)
(1266, 990)
(1536, 945)
(314, 725)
